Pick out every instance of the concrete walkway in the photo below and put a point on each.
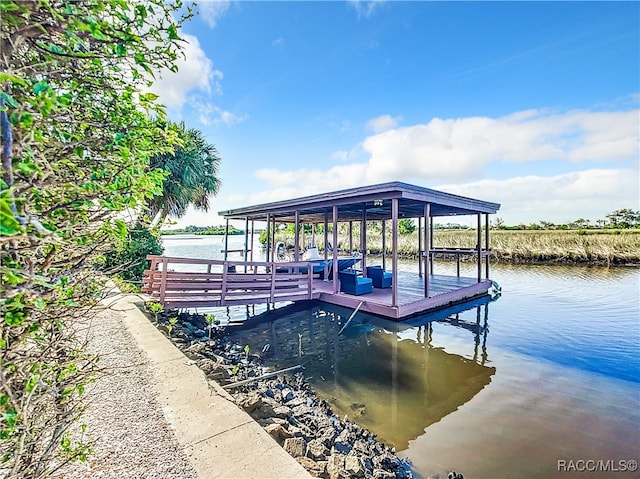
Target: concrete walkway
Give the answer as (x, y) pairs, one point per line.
(219, 439)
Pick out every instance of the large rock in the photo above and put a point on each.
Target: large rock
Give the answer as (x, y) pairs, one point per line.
(316, 469)
(278, 432)
(316, 450)
(296, 446)
(335, 465)
(251, 402)
(354, 467)
(382, 474)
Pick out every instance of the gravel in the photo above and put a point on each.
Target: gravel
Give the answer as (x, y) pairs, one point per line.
(130, 435)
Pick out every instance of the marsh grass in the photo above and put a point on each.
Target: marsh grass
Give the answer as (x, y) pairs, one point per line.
(519, 246)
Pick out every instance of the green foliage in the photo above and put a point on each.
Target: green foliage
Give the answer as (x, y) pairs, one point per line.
(192, 175)
(77, 135)
(128, 259)
(406, 226)
(204, 230)
(155, 308)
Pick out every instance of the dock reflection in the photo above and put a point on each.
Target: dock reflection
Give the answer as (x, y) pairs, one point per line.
(386, 376)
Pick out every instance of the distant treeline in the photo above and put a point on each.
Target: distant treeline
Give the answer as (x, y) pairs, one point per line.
(617, 220)
(203, 230)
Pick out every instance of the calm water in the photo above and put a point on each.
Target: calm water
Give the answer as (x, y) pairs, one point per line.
(548, 372)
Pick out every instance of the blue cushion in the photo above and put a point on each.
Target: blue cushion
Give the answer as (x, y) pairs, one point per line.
(380, 278)
(352, 283)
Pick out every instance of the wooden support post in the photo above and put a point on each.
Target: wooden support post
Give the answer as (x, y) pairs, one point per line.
(394, 241)
(252, 238)
(420, 246)
(273, 238)
(246, 242)
(479, 247)
(296, 241)
(326, 234)
(427, 248)
(163, 279)
(268, 250)
(363, 238)
(334, 266)
(430, 241)
(384, 244)
(226, 239)
(486, 246)
(350, 237)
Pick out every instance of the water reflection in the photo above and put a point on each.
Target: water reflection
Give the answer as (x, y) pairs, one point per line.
(386, 376)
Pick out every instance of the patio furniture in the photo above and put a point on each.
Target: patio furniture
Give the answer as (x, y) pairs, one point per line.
(352, 283)
(380, 278)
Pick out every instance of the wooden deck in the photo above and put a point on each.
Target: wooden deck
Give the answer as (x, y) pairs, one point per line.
(193, 283)
(444, 291)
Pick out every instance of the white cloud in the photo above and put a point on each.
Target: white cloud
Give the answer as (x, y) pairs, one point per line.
(456, 152)
(211, 114)
(195, 73)
(383, 123)
(365, 8)
(460, 149)
(590, 194)
(212, 10)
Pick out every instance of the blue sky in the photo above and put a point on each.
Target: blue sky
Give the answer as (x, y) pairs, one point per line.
(534, 105)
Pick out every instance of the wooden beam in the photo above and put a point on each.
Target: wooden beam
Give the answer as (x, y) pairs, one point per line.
(420, 247)
(486, 245)
(479, 247)
(394, 260)
(296, 241)
(334, 266)
(427, 248)
(363, 238)
(384, 244)
(430, 219)
(226, 239)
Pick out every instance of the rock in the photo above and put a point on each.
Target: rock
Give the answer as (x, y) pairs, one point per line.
(316, 450)
(344, 442)
(335, 465)
(251, 402)
(196, 348)
(382, 474)
(278, 432)
(287, 395)
(316, 469)
(296, 446)
(208, 367)
(353, 465)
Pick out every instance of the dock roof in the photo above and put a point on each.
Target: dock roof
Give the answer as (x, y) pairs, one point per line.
(375, 198)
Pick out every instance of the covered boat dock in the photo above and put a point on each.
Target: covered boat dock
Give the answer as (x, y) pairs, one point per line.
(396, 295)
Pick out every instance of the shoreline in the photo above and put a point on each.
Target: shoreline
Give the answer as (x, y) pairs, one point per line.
(284, 405)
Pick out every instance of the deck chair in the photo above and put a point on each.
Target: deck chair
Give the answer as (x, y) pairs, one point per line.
(380, 278)
(352, 283)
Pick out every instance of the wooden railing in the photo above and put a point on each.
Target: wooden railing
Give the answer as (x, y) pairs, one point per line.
(188, 282)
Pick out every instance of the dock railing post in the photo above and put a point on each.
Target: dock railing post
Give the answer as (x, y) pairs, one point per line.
(163, 279)
(479, 247)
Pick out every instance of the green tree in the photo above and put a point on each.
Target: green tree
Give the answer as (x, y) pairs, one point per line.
(624, 218)
(128, 259)
(77, 134)
(192, 176)
(406, 226)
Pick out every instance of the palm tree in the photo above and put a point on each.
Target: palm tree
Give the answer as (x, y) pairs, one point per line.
(193, 176)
